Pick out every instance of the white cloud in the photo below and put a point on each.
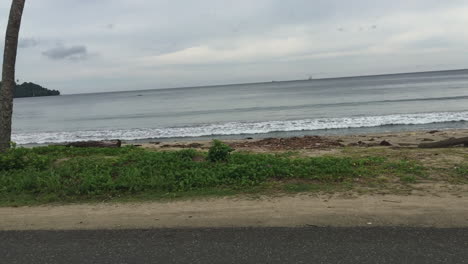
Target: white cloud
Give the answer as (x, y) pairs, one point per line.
(400, 33)
(157, 44)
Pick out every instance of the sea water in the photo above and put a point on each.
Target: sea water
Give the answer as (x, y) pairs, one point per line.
(398, 102)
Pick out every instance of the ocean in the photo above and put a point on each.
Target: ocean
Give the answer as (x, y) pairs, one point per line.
(384, 103)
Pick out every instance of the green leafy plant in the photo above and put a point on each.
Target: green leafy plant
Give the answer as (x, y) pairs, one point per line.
(48, 174)
(219, 152)
(12, 144)
(22, 158)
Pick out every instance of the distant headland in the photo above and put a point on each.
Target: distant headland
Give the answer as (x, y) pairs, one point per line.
(29, 89)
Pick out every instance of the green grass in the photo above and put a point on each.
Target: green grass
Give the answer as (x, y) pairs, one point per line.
(462, 171)
(59, 174)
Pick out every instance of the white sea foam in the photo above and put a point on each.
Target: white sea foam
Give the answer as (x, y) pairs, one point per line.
(238, 128)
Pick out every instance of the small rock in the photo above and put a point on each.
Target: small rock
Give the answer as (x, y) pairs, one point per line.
(385, 143)
(433, 131)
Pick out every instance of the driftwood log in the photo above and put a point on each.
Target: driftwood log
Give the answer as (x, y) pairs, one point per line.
(446, 143)
(94, 144)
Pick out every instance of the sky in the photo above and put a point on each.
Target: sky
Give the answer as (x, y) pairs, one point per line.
(84, 46)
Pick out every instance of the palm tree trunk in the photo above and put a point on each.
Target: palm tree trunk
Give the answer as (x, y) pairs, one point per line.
(8, 73)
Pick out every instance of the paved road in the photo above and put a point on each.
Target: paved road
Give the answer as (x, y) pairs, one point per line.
(254, 245)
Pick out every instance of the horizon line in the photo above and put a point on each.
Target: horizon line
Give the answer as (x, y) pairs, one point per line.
(273, 81)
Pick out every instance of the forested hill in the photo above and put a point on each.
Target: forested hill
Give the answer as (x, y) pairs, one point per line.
(31, 90)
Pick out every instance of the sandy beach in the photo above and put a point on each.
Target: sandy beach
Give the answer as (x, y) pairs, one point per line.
(319, 144)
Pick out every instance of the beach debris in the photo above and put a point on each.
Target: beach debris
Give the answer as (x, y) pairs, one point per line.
(451, 142)
(363, 144)
(372, 144)
(433, 131)
(294, 143)
(407, 144)
(390, 201)
(385, 143)
(427, 140)
(358, 144)
(93, 144)
(191, 145)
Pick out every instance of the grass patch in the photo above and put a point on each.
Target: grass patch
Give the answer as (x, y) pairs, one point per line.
(408, 179)
(462, 172)
(59, 174)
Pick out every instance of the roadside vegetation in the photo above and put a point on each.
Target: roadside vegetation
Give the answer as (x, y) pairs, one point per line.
(59, 174)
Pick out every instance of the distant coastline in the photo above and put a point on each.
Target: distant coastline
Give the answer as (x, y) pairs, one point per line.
(29, 89)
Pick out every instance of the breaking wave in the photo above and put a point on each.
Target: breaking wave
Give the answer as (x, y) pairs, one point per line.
(239, 128)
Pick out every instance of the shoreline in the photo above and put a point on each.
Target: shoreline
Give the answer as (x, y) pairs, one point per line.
(334, 133)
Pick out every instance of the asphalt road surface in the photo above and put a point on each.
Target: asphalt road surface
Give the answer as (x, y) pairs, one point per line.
(245, 245)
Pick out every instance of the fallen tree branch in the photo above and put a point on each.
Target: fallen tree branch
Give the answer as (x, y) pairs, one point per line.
(446, 143)
(94, 144)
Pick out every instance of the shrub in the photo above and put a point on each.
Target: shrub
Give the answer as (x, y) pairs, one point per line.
(22, 158)
(219, 152)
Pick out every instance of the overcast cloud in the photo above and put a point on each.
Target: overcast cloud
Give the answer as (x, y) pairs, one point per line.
(27, 43)
(146, 44)
(61, 52)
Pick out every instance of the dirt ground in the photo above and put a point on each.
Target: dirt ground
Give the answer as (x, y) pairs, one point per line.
(442, 211)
